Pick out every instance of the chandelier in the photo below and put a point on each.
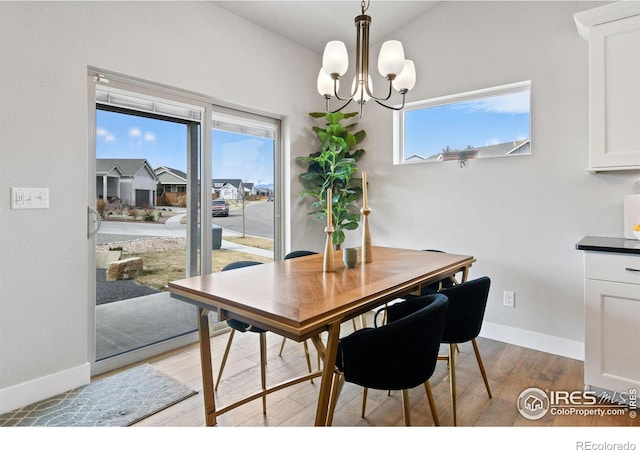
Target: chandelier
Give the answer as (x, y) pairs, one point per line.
(399, 72)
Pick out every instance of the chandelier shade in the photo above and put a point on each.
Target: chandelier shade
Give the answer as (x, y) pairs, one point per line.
(400, 73)
(407, 78)
(335, 58)
(325, 84)
(391, 59)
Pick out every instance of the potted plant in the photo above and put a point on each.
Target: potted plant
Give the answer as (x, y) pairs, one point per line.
(333, 167)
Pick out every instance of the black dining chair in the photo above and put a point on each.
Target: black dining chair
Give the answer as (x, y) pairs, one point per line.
(237, 325)
(467, 304)
(291, 255)
(399, 355)
(424, 290)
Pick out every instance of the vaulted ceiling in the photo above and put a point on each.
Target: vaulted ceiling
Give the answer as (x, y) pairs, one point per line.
(313, 23)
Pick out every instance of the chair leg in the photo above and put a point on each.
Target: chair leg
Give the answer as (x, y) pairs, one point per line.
(263, 368)
(224, 357)
(406, 410)
(306, 354)
(482, 371)
(365, 391)
(338, 382)
(284, 340)
(432, 403)
(452, 381)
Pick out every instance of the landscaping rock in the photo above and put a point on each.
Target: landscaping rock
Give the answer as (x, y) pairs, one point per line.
(105, 258)
(124, 269)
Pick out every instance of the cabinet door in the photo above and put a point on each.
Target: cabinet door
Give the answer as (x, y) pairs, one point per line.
(612, 335)
(614, 84)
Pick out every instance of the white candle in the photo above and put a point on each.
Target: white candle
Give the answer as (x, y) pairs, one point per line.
(329, 209)
(364, 188)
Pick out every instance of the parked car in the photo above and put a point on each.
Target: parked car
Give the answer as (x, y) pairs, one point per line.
(220, 207)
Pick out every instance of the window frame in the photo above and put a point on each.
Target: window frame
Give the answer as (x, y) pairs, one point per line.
(399, 133)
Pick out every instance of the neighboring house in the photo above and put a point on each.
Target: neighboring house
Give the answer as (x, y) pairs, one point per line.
(414, 157)
(229, 189)
(172, 186)
(171, 180)
(249, 189)
(130, 180)
(521, 147)
(264, 191)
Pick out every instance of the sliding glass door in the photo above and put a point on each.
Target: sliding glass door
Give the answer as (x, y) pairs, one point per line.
(154, 190)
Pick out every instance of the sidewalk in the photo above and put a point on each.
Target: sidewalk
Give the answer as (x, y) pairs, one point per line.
(127, 231)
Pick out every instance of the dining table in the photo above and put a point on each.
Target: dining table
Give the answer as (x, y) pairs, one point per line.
(297, 299)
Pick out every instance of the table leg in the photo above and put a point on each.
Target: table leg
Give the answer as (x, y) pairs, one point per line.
(207, 369)
(330, 353)
(465, 273)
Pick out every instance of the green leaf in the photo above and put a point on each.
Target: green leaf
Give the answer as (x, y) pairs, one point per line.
(358, 154)
(350, 226)
(336, 117)
(338, 237)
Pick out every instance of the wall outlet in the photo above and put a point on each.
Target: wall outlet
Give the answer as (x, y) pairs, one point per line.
(509, 299)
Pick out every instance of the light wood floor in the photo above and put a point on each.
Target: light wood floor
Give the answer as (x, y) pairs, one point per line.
(510, 368)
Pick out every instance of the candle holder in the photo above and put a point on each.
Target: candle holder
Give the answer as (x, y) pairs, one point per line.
(328, 264)
(367, 256)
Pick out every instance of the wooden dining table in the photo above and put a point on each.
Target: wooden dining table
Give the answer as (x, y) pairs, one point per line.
(295, 298)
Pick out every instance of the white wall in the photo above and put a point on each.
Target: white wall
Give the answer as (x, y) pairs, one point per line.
(45, 49)
(521, 216)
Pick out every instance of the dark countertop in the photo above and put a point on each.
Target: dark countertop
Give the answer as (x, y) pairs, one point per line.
(609, 244)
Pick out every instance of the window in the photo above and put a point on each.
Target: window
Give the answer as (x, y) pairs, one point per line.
(478, 124)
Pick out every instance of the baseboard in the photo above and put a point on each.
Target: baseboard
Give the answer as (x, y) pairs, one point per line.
(536, 341)
(32, 391)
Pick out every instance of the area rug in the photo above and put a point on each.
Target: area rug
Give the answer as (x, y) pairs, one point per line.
(116, 401)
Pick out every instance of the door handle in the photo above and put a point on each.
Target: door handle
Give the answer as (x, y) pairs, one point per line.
(93, 226)
(631, 269)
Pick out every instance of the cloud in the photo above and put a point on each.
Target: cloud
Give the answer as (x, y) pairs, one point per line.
(103, 133)
(245, 158)
(517, 103)
(135, 132)
(149, 136)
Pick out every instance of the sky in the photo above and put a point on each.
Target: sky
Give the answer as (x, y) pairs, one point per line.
(477, 123)
(429, 130)
(163, 143)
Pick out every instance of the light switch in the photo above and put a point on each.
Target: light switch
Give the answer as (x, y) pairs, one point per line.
(29, 198)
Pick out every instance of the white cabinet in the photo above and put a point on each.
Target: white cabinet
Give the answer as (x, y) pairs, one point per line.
(613, 33)
(612, 321)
